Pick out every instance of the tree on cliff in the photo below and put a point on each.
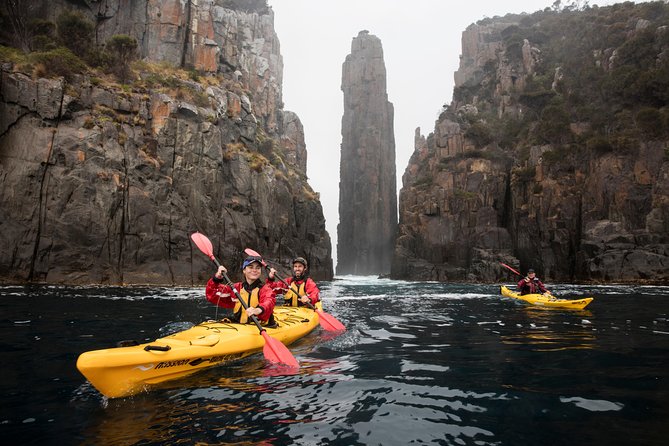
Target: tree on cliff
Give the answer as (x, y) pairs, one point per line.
(123, 50)
(76, 32)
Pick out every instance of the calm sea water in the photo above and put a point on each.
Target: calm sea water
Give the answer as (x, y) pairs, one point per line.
(420, 363)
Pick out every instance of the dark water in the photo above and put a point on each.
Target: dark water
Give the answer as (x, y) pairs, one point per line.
(421, 363)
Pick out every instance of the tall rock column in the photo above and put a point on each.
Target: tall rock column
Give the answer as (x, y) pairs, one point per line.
(367, 191)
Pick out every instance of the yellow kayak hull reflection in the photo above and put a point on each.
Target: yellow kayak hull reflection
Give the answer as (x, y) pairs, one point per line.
(547, 301)
(123, 371)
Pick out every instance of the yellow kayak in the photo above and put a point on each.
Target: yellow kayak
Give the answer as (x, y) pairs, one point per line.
(548, 301)
(123, 371)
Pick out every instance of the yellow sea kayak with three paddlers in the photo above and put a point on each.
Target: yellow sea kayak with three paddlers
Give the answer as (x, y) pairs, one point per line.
(123, 371)
(547, 300)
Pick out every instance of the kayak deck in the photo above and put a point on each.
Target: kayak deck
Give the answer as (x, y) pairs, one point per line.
(547, 300)
(123, 371)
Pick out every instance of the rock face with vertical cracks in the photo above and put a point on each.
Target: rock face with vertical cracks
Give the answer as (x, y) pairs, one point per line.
(501, 179)
(101, 184)
(367, 194)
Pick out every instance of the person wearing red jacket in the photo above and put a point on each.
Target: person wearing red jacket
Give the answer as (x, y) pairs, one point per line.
(259, 297)
(306, 288)
(531, 284)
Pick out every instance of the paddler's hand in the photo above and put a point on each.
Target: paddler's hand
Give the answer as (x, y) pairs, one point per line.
(271, 274)
(253, 311)
(221, 270)
(305, 299)
(527, 279)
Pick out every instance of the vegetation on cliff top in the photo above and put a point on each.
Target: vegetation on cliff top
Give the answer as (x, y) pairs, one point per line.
(601, 79)
(66, 48)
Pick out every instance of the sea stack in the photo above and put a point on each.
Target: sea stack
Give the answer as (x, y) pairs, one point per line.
(367, 185)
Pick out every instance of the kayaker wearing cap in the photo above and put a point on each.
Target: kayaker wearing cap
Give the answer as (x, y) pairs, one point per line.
(300, 281)
(260, 297)
(531, 284)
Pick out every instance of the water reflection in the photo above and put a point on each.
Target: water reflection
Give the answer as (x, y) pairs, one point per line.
(548, 330)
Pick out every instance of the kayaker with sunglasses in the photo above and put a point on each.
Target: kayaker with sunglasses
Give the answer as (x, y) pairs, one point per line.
(259, 297)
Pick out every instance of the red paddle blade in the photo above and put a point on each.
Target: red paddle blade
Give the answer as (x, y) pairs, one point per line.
(252, 253)
(509, 268)
(275, 351)
(203, 243)
(329, 322)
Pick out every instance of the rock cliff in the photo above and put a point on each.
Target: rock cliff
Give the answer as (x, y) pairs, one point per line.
(552, 155)
(367, 194)
(104, 183)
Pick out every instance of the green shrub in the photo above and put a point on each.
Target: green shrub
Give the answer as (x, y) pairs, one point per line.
(553, 127)
(550, 157)
(598, 145)
(9, 54)
(479, 134)
(525, 174)
(76, 32)
(123, 50)
(536, 99)
(43, 35)
(194, 75)
(59, 62)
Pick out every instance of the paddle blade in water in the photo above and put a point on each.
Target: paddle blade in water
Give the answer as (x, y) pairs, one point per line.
(329, 322)
(276, 352)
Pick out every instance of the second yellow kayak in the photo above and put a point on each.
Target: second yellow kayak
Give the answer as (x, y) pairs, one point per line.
(548, 301)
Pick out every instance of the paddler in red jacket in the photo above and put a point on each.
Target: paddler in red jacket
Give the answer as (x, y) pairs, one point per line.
(259, 297)
(531, 284)
(306, 288)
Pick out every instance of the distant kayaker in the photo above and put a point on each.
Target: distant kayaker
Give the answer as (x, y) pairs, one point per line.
(531, 284)
(260, 297)
(300, 281)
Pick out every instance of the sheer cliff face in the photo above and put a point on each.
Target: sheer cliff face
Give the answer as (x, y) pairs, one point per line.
(515, 171)
(367, 197)
(102, 184)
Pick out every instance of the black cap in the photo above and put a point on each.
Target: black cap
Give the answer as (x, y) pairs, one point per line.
(530, 271)
(301, 260)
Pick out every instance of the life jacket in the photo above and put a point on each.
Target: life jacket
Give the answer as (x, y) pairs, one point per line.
(531, 288)
(251, 297)
(292, 299)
